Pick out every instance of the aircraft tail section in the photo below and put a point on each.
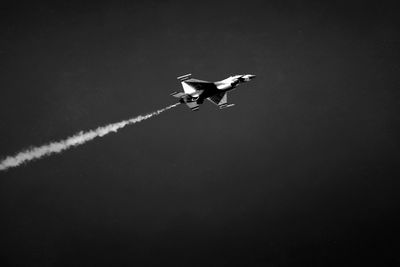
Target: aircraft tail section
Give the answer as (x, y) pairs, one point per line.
(193, 106)
(186, 99)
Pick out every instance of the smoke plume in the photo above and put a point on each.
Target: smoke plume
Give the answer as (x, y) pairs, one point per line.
(75, 140)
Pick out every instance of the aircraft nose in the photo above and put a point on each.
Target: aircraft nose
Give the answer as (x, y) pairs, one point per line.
(251, 76)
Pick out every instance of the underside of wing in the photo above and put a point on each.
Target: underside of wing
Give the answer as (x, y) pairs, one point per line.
(219, 98)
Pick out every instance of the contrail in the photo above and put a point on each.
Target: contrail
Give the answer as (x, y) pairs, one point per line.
(75, 140)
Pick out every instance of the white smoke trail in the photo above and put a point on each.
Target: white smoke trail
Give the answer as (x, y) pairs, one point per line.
(75, 140)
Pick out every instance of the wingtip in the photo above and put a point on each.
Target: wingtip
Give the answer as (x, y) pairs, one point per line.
(184, 77)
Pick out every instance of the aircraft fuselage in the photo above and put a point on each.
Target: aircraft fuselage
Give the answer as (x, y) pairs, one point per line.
(196, 91)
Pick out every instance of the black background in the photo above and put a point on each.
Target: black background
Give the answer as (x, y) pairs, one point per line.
(303, 171)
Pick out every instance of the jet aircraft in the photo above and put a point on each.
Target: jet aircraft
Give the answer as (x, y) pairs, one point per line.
(196, 91)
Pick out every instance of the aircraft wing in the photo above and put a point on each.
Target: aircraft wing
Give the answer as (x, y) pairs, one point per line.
(191, 85)
(219, 98)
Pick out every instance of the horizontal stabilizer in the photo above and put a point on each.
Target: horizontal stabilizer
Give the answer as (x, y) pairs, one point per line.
(178, 94)
(193, 106)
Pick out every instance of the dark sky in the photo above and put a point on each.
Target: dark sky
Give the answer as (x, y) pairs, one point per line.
(303, 171)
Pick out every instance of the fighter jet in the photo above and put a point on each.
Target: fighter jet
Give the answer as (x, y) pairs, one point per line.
(196, 91)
